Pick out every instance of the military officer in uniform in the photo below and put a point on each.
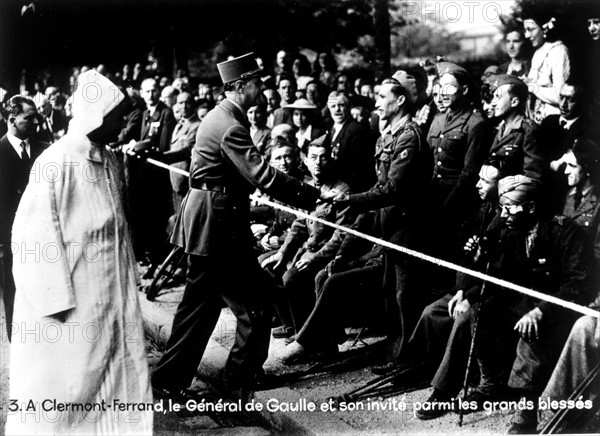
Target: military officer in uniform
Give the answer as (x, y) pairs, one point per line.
(516, 142)
(214, 229)
(460, 139)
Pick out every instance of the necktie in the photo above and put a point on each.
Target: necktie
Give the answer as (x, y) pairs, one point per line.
(563, 123)
(24, 156)
(578, 197)
(178, 128)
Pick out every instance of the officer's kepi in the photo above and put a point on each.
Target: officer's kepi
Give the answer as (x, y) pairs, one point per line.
(243, 67)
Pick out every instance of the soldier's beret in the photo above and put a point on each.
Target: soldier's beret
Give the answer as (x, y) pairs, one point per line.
(506, 79)
(450, 68)
(408, 82)
(518, 188)
(242, 67)
(322, 141)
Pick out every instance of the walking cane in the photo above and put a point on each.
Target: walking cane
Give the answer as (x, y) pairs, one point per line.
(465, 388)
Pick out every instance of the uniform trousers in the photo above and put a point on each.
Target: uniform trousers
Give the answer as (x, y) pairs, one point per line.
(406, 287)
(240, 283)
(335, 293)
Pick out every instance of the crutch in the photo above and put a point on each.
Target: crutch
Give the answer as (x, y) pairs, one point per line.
(465, 388)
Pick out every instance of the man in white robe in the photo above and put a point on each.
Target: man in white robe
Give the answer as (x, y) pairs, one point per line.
(78, 348)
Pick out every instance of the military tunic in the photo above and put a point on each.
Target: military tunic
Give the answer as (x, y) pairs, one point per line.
(404, 179)
(516, 144)
(460, 144)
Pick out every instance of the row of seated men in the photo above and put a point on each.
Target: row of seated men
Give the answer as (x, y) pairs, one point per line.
(520, 204)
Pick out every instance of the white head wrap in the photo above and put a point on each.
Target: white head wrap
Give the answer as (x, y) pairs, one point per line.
(94, 97)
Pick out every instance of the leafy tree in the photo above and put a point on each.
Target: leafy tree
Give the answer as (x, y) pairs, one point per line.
(422, 40)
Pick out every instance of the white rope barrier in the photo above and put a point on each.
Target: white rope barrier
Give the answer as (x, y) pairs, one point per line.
(440, 262)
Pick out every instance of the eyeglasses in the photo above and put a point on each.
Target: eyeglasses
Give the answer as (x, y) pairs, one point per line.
(512, 209)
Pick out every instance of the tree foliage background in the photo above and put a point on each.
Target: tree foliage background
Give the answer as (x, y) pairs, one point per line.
(60, 34)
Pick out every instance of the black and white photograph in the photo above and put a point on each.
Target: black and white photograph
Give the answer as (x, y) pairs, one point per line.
(299, 217)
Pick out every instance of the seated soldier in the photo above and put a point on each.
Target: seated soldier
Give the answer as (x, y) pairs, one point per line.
(582, 168)
(341, 289)
(443, 325)
(270, 225)
(550, 255)
(309, 245)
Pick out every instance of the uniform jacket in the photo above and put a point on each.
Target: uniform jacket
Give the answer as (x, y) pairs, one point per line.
(14, 177)
(216, 220)
(586, 215)
(404, 165)
(460, 143)
(353, 150)
(520, 150)
(315, 237)
(180, 152)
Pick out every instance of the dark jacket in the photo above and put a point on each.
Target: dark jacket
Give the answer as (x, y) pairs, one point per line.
(353, 150)
(14, 177)
(226, 167)
(164, 120)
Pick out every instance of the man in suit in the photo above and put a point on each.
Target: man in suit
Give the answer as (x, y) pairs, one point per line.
(559, 132)
(352, 146)
(214, 230)
(182, 142)
(149, 187)
(18, 151)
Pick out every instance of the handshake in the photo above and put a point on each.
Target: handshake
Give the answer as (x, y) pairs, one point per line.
(139, 149)
(334, 196)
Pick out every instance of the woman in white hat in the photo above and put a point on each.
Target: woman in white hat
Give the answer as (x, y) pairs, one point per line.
(304, 118)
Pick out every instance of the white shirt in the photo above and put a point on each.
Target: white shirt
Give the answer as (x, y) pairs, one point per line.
(16, 143)
(567, 123)
(304, 136)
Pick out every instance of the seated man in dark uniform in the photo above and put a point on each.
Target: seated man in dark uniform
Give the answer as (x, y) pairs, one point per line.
(550, 255)
(442, 333)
